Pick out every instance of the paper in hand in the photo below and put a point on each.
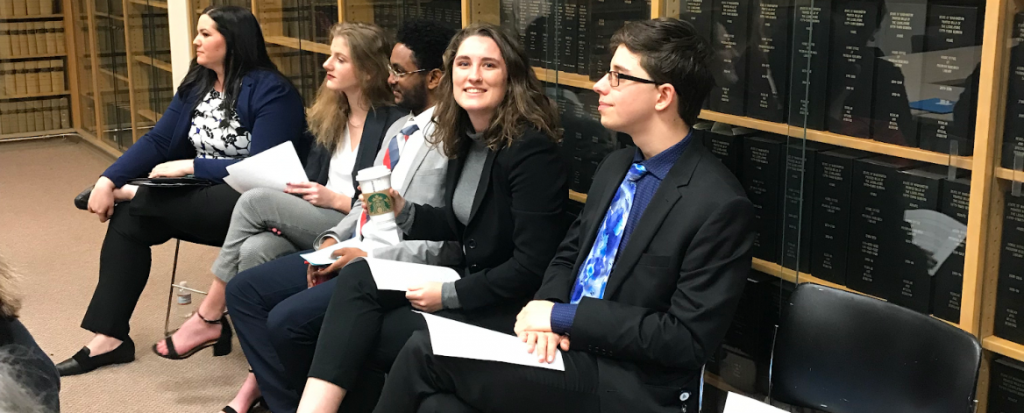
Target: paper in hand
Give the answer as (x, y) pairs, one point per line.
(399, 276)
(452, 338)
(743, 404)
(323, 256)
(272, 169)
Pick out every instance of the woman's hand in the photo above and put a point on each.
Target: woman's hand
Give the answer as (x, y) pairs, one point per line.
(173, 169)
(318, 274)
(425, 297)
(320, 196)
(399, 201)
(101, 200)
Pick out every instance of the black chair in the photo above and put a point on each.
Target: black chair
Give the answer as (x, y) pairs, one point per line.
(846, 353)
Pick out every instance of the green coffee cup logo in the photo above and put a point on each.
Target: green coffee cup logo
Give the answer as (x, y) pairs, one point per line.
(379, 203)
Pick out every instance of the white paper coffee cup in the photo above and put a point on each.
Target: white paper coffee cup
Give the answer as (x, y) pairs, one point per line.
(375, 183)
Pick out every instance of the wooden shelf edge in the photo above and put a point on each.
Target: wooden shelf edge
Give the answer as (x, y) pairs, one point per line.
(148, 114)
(717, 382)
(563, 78)
(157, 63)
(577, 196)
(42, 56)
(115, 75)
(1009, 174)
(35, 95)
(36, 133)
(109, 16)
(867, 145)
(36, 17)
(1003, 347)
(157, 4)
(99, 144)
(303, 45)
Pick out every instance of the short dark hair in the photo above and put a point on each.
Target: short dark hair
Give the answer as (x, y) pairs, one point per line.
(427, 40)
(671, 52)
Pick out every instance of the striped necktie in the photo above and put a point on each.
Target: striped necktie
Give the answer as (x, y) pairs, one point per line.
(391, 158)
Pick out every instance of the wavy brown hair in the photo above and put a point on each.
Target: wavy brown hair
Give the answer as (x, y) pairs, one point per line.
(524, 105)
(10, 304)
(370, 50)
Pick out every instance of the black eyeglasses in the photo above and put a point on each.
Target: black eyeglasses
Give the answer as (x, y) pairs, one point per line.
(614, 78)
(400, 75)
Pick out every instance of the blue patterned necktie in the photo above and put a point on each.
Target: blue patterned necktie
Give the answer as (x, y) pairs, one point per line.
(594, 272)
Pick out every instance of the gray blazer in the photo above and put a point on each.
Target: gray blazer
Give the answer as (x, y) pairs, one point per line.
(424, 184)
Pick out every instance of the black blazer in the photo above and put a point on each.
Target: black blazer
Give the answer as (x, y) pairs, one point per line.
(515, 224)
(378, 121)
(672, 293)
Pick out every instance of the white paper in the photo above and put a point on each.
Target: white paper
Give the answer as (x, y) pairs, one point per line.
(399, 276)
(936, 233)
(452, 338)
(736, 403)
(323, 256)
(272, 169)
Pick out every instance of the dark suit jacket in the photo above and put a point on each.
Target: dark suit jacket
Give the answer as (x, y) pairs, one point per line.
(516, 222)
(378, 121)
(268, 106)
(671, 296)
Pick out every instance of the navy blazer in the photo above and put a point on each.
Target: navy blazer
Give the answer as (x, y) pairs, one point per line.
(268, 106)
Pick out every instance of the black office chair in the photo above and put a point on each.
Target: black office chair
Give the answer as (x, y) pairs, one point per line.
(846, 353)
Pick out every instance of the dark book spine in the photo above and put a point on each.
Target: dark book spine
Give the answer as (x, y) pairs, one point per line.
(762, 173)
(567, 36)
(1006, 386)
(913, 288)
(830, 228)
(949, 279)
(1013, 132)
(874, 226)
(949, 30)
(698, 13)
(809, 77)
(509, 21)
(728, 149)
(583, 35)
(796, 210)
(534, 23)
(729, 66)
(852, 68)
(1010, 295)
(896, 72)
(768, 62)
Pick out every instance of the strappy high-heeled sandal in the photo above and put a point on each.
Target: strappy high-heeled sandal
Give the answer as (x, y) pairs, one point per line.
(221, 346)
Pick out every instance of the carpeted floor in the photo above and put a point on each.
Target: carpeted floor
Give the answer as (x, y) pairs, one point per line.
(56, 249)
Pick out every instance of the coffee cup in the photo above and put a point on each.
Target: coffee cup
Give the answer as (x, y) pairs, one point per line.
(375, 182)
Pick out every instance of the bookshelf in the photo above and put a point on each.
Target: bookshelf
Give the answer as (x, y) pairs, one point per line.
(138, 87)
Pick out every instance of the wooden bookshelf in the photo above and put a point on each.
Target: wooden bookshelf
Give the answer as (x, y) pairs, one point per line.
(149, 114)
(578, 196)
(294, 43)
(1009, 174)
(114, 75)
(717, 382)
(563, 78)
(34, 57)
(109, 16)
(33, 18)
(152, 3)
(35, 95)
(13, 136)
(1003, 347)
(157, 63)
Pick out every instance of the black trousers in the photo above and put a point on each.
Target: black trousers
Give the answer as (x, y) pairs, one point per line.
(423, 382)
(195, 214)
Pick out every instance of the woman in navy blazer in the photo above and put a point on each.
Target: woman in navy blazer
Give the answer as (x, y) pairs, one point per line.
(232, 104)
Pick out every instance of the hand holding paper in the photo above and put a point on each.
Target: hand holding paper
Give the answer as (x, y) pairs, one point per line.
(272, 168)
(451, 338)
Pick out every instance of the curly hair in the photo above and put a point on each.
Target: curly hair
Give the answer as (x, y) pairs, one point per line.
(524, 106)
(10, 303)
(427, 40)
(369, 49)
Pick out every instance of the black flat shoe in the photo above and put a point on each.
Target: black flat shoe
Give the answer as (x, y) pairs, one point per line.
(221, 345)
(255, 403)
(81, 362)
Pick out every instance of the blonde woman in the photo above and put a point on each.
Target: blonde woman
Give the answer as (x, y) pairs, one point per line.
(351, 116)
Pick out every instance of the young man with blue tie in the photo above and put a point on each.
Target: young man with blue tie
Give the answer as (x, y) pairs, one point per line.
(644, 286)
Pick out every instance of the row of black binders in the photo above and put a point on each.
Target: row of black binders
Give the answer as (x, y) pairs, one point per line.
(570, 35)
(1010, 288)
(902, 72)
(888, 227)
(391, 15)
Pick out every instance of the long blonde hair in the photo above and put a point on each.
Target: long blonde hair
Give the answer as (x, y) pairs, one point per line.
(369, 49)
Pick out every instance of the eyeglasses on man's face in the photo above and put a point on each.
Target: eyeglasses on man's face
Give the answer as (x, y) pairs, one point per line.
(615, 77)
(400, 74)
